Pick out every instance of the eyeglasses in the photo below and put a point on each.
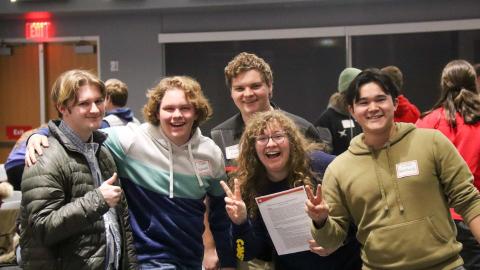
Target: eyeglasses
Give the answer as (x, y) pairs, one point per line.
(277, 138)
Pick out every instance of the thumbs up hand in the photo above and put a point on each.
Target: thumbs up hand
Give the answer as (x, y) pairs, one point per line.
(111, 193)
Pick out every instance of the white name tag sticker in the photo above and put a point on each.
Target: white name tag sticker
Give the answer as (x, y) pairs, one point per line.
(408, 168)
(348, 123)
(203, 167)
(232, 151)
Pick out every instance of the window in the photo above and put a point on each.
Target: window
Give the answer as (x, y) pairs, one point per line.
(305, 71)
(420, 56)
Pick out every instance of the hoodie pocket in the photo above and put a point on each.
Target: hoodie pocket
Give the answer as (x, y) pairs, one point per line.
(417, 242)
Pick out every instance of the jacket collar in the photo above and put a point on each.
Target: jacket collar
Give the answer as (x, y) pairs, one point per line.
(53, 125)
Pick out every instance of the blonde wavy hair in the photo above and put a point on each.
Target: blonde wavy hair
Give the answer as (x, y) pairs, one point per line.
(193, 93)
(65, 88)
(251, 173)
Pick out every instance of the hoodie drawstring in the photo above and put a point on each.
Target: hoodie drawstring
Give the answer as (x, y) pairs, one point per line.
(152, 133)
(199, 179)
(380, 182)
(170, 167)
(395, 184)
(395, 181)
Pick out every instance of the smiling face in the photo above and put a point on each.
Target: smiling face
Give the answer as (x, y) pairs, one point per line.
(176, 115)
(374, 110)
(250, 93)
(273, 150)
(85, 114)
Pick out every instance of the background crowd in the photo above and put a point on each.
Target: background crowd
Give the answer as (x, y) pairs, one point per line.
(388, 187)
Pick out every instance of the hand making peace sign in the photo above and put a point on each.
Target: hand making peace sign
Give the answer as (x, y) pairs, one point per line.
(316, 208)
(235, 206)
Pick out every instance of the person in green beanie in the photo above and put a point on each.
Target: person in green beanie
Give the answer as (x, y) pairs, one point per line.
(336, 117)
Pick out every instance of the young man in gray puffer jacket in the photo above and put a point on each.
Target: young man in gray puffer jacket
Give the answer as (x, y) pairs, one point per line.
(73, 213)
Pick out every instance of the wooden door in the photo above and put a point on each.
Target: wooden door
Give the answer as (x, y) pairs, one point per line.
(60, 57)
(19, 94)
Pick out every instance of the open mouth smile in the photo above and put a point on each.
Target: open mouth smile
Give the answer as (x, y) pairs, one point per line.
(177, 124)
(272, 154)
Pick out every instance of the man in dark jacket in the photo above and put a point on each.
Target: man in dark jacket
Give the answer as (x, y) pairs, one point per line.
(73, 215)
(250, 81)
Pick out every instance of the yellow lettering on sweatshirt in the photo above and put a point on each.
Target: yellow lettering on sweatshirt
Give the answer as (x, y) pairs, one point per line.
(240, 249)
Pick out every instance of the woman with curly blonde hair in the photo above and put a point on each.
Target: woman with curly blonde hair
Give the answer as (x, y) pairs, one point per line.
(274, 156)
(255, 172)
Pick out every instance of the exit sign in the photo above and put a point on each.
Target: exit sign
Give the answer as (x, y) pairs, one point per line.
(38, 30)
(14, 132)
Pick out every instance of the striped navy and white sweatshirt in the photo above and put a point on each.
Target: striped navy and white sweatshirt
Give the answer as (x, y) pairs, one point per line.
(165, 186)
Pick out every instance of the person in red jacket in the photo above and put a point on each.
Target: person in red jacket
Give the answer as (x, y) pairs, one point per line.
(457, 115)
(406, 111)
(477, 70)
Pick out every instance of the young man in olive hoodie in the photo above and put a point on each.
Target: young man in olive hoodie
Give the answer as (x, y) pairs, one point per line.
(399, 189)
